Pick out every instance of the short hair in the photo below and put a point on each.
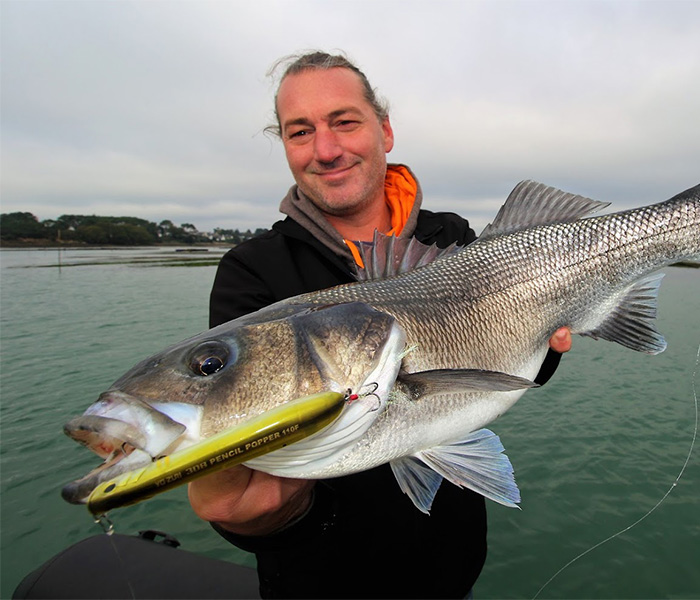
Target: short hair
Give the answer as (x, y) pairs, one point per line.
(298, 63)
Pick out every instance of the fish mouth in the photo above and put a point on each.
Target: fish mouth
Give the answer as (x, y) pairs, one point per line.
(126, 432)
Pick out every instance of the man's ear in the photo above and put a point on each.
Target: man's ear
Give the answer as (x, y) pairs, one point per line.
(388, 135)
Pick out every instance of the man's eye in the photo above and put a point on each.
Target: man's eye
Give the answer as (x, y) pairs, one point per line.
(298, 134)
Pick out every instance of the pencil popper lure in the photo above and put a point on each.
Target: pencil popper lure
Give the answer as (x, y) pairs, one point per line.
(270, 431)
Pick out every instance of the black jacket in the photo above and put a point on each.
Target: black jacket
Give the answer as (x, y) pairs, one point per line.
(288, 261)
(362, 538)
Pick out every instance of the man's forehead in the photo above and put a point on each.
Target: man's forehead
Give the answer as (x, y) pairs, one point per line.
(326, 90)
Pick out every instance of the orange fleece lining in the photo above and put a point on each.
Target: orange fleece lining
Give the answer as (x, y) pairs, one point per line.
(400, 190)
(400, 193)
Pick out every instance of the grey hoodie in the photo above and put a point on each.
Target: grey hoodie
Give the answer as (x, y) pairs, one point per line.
(300, 208)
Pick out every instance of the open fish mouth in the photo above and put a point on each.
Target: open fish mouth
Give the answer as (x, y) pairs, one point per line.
(126, 432)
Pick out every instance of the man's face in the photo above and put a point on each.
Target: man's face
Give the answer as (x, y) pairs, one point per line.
(335, 145)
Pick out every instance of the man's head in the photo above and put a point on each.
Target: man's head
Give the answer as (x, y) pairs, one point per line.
(335, 133)
(298, 63)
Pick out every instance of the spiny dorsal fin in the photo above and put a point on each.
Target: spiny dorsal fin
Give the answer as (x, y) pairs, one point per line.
(389, 255)
(531, 204)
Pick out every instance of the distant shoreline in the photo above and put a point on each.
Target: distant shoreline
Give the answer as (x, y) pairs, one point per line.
(40, 244)
(46, 244)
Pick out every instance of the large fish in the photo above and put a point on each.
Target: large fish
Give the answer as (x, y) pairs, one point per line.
(427, 353)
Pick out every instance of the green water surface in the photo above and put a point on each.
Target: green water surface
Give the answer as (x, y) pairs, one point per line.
(594, 450)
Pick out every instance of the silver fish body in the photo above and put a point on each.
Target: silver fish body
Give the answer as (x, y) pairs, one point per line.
(437, 352)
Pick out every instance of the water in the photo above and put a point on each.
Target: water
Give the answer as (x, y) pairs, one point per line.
(594, 450)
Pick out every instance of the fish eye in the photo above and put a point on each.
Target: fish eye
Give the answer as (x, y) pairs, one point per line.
(211, 365)
(209, 358)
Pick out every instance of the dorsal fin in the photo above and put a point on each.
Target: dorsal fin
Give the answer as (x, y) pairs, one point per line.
(531, 204)
(389, 255)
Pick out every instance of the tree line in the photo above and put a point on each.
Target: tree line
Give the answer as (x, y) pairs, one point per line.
(116, 231)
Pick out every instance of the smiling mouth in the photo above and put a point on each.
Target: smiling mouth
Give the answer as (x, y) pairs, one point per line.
(336, 173)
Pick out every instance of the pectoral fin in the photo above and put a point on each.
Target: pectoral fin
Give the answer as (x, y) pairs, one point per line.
(444, 381)
(477, 463)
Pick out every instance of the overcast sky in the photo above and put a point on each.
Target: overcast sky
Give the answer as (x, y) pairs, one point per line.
(156, 108)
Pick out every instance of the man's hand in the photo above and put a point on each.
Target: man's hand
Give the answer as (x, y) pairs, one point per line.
(248, 502)
(561, 340)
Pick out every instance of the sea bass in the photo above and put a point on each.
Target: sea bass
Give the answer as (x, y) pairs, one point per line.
(429, 348)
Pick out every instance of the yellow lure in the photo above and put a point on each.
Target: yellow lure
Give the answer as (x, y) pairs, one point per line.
(270, 431)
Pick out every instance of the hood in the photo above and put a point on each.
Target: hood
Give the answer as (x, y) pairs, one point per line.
(402, 193)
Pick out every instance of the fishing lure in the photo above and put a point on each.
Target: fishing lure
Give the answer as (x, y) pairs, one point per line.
(270, 431)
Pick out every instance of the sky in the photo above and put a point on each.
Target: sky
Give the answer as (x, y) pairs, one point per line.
(156, 108)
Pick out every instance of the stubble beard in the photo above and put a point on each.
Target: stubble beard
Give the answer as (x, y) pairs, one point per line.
(340, 202)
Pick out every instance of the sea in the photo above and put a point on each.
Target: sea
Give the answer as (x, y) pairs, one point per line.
(602, 453)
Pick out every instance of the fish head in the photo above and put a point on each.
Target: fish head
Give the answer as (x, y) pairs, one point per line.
(233, 373)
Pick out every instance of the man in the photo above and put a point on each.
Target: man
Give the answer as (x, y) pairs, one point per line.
(355, 536)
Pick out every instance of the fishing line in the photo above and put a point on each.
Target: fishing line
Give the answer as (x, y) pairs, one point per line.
(673, 485)
(108, 528)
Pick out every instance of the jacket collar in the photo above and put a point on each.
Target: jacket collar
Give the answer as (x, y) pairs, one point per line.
(298, 206)
(290, 228)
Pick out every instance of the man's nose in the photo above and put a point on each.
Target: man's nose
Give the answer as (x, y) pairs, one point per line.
(326, 145)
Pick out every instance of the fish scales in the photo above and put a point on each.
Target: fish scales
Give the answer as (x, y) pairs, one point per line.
(430, 355)
(521, 288)
(532, 274)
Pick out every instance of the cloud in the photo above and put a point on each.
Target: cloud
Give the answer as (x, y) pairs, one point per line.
(156, 109)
